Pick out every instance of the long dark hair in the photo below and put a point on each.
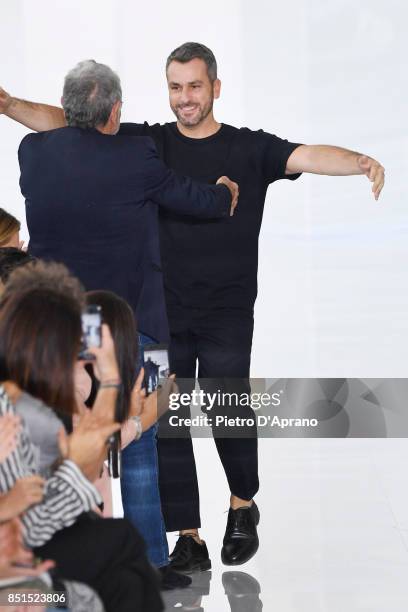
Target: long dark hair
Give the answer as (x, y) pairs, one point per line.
(117, 313)
(40, 332)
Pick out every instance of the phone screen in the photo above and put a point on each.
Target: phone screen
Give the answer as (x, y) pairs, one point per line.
(156, 365)
(91, 330)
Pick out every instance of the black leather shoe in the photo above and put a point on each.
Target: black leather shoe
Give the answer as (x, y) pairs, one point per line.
(189, 556)
(241, 538)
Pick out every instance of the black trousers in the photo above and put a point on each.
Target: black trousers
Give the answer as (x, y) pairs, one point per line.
(108, 555)
(221, 343)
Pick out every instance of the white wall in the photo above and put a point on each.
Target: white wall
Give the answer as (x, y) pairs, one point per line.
(333, 294)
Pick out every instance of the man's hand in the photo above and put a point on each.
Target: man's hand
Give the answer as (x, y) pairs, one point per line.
(234, 189)
(5, 101)
(374, 171)
(25, 493)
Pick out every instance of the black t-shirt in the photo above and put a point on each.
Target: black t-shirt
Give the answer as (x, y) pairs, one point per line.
(212, 264)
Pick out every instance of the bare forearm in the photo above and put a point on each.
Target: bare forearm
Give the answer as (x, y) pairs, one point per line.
(330, 160)
(336, 161)
(105, 403)
(37, 117)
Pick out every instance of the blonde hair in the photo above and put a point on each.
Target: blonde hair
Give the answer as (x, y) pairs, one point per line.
(9, 226)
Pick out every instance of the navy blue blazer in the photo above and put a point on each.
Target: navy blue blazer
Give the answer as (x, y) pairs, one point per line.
(91, 203)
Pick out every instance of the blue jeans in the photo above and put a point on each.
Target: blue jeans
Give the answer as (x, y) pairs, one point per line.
(140, 489)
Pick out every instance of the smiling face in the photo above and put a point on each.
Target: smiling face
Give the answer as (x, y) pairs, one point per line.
(191, 92)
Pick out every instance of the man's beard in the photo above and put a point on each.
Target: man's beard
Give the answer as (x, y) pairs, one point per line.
(197, 118)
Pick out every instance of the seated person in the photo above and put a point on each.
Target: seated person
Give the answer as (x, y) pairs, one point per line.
(138, 415)
(16, 561)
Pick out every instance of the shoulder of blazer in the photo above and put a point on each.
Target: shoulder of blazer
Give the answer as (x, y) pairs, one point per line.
(143, 142)
(28, 141)
(37, 137)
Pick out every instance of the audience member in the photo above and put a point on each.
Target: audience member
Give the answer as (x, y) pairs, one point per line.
(16, 561)
(40, 333)
(139, 477)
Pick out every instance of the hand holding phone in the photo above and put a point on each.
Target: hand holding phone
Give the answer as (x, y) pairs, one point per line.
(151, 407)
(156, 365)
(91, 331)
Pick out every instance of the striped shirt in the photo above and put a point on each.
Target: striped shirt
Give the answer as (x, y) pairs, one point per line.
(67, 493)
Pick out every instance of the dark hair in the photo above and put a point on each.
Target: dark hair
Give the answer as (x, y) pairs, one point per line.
(11, 258)
(40, 332)
(192, 50)
(117, 313)
(9, 225)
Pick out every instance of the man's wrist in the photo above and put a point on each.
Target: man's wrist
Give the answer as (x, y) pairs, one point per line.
(357, 158)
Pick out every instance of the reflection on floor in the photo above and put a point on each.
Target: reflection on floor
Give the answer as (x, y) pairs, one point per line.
(241, 590)
(333, 530)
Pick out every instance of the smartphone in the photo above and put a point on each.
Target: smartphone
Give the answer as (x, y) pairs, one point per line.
(156, 365)
(91, 331)
(115, 456)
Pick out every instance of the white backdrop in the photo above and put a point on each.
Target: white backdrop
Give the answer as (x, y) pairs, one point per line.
(333, 297)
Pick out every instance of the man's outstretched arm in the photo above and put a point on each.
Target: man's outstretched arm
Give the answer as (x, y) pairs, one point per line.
(37, 117)
(336, 161)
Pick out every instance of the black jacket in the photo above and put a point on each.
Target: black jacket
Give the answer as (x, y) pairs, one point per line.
(91, 203)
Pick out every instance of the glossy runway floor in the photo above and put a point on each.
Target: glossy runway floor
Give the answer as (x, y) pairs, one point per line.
(333, 530)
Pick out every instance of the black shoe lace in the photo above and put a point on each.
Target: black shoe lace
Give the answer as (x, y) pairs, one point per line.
(241, 521)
